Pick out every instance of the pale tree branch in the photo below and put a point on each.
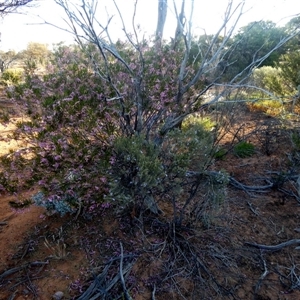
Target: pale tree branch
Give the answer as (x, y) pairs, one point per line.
(11, 6)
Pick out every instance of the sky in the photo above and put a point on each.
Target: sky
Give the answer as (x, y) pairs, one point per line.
(17, 30)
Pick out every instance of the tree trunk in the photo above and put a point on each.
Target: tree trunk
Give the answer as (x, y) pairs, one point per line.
(180, 24)
(161, 19)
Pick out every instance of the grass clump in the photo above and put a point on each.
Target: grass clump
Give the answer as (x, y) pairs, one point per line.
(220, 153)
(244, 149)
(196, 121)
(270, 107)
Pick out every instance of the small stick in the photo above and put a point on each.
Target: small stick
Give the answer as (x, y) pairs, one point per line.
(262, 277)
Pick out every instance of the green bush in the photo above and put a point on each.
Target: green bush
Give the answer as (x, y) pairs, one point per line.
(12, 76)
(272, 80)
(143, 172)
(244, 149)
(136, 170)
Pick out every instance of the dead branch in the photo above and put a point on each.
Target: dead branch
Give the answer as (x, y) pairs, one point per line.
(17, 269)
(247, 188)
(153, 293)
(290, 281)
(31, 287)
(233, 181)
(100, 287)
(274, 247)
(263, 276)
(127, 296)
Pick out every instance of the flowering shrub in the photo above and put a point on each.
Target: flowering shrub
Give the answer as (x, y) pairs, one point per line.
(97, 129)
(70, 131)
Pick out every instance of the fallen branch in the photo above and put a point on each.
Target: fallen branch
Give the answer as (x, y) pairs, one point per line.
(234, 182)
(274, 247)
(100, 287)
(14, 270)
(247, 188)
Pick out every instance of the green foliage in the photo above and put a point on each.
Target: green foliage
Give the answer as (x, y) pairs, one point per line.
(136, 169)
(37, 52)
(273, 80)
(142, 171)
(252, 42)
(187, 149)
(70, 131)
(289, 65)
(12, 76)
(244, 149)
(9, 58)
(270, 103)
(4, 115)
(85, 141)
(15, 164)
(200, 123)
(293, 44)
(220, 153)
(214, 192)
(295, 137)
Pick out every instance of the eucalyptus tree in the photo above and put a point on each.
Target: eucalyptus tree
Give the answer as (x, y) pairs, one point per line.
(255, 41)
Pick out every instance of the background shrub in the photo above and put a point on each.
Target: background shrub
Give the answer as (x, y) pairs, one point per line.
(12, 76)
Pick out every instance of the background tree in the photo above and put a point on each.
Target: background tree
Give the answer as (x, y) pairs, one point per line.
(289, 64)
(11, 6)
(294, 43)
(274, 80)
(8, 58)
(36, 52)
(253, 42)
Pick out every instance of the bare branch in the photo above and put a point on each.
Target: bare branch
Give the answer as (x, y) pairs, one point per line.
(274, 247)
(11, 6)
